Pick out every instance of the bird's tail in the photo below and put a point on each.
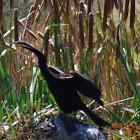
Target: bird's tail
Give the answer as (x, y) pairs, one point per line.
(96, 119)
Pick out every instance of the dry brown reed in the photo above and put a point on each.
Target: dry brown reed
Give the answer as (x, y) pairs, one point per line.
(29, 18)
(2, 38)
(118, 42)
(46, 43)
(117, 34)
(11, 4)
(8, 32)
(35, 8)
(67, 7)
(104, 82)
(99, 9)
(99, 37)
(31, 12)
(108, 6)
(38, 14)
(12, 28)
(32, 34)
(1, 13)
(81, 6)
(136, 42)
(120, 4)
(34, 15)
(112, 25)
(117, 51)
(76, 3)
(16, 24)
(36, 3)
(56, 12)
(125, 15)
(47, 19)
(90, 30)
(45, 4)
(6, 44)
(136, 46)
(132, 14)
(40, 35)
(27, 29)
(81, 29)
(89, 4)
(112, 29)
(116, 4)
(105, 14)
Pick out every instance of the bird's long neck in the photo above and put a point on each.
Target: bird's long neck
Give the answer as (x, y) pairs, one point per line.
(42, 64)
(44, 69)
(41, 58)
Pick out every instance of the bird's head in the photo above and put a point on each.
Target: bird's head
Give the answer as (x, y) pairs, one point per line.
(26, 46)
(30, 48)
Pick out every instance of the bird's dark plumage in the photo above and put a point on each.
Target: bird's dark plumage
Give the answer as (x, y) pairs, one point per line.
(64, 88)
(86, 87)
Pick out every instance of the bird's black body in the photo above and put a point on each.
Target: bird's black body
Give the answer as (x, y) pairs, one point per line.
(65, 88)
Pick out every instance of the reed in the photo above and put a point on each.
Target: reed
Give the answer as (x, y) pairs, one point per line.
(81, 6)
(132, 14)
(118, 42)
(89, 5)
(90, 31)
(46, 43)
(67, 7)
(76, 3)
(1, 13)
(56, 12)
(126, 10)
(81, 30)
(11, 4)
(116, 4)
(16, 24)
(45, 4)
(105, 14)
(120, 4)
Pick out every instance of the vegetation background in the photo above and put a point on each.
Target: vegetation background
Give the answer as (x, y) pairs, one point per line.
(100, 39)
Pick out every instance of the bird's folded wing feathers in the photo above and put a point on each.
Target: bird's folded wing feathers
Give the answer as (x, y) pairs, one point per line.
(86, 86)
(56, 71)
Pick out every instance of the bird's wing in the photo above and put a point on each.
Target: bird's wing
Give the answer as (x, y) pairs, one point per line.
(59, 73)
(85, 86)
(56, 71)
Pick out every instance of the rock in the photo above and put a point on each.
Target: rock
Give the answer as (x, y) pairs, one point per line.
(65, 127)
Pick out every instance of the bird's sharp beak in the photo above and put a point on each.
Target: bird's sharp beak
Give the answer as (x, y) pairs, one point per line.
(16, 43)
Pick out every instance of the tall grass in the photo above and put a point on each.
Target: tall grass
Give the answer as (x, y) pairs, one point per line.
(107, 51)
